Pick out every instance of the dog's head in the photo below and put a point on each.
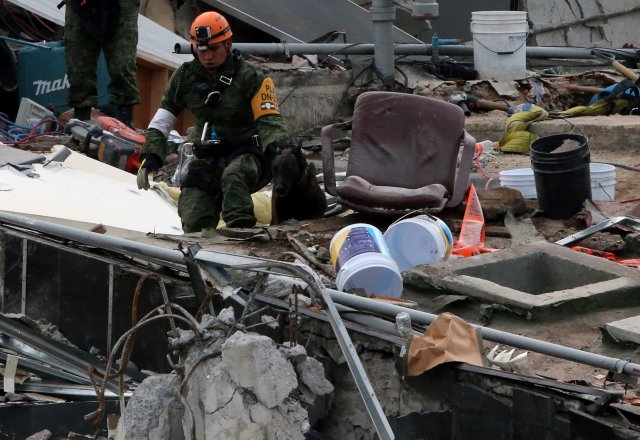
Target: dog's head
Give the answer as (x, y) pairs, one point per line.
(287, 168)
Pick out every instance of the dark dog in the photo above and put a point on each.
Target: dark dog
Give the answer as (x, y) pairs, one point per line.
(296, 192)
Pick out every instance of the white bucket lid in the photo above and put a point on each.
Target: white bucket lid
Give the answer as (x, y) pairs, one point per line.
(374, 272)
(517, 173)
(416, 241)
(602, 168)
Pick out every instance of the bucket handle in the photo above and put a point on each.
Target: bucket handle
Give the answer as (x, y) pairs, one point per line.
(414, 213)
(524, 41)
(565, 119)
(605, 191)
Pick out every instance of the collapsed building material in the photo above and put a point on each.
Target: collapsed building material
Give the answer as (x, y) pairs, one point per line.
(629, 221)
(313, 281)
(31, 344)
(222, 262)
(242, 386)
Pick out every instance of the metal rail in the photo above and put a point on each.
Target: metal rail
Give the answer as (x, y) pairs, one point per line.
(210, 259)
(289, 49)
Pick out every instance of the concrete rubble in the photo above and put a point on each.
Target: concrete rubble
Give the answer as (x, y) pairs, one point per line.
(243, 334)
(239, 387)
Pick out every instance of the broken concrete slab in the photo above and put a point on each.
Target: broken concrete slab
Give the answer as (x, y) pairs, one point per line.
(154, 411)
(625, 330)
(271, 378)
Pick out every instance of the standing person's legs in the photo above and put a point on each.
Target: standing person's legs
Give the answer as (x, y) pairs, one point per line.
(81, 54)
(120, 53)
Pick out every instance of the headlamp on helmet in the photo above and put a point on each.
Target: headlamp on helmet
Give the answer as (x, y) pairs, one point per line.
(208, 29)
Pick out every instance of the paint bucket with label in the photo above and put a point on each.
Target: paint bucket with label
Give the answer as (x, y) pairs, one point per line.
(418, 240)
(362, 260)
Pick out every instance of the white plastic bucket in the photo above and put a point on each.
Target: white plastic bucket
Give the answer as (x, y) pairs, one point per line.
(500, 44)
(362, 260)
(603, 181)
(418, 240)
(521, 179)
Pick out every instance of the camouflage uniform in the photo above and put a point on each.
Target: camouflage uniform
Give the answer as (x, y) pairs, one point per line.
(222, 178)
(85, 36)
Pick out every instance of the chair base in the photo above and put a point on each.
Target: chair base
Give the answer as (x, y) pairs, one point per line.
(386, 212)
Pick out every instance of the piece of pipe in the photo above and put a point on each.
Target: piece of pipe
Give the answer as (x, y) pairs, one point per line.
(361, 303)
(371, 402)
(383, 13)
(523, 342)
(357, 302)
(117, 244)
(402, 49)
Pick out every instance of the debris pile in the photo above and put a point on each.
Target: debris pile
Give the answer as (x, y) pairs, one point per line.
(242, 386)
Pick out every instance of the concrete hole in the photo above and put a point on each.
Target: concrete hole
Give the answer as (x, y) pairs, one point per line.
(538, 273)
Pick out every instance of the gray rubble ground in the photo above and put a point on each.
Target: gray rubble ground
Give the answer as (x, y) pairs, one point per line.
(240, 387)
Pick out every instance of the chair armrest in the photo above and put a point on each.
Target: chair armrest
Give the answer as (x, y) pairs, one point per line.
(464, 169)
(328, 164)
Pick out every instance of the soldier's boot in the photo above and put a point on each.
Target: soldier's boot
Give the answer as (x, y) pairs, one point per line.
(82, 113)
(124, 113)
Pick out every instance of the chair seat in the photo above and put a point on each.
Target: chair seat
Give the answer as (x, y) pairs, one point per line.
(358, 190)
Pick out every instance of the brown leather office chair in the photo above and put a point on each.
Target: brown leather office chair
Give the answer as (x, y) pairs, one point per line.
(403, 155)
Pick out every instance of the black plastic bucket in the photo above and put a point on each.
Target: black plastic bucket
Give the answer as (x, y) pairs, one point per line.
(562, 177)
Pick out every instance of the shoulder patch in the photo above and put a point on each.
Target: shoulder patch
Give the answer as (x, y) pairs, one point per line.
(265, 102)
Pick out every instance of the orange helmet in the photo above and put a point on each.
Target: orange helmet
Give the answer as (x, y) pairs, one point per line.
(209, 28)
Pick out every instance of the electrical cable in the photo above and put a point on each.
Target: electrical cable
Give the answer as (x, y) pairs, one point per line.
(18, 134)
(30, 30)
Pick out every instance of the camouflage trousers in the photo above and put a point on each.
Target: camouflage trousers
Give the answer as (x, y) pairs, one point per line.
(83, 50)
(229, 194)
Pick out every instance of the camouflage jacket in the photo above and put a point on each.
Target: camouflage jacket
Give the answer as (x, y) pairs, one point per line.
(248, 106)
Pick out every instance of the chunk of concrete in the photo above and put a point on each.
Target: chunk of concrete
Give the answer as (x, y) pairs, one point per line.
(45, 434)
(625, 330)
(312, 375)
(270, 377)
(154, 411)
(279, 286)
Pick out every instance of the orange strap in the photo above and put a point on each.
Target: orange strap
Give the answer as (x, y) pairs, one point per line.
(632, 262)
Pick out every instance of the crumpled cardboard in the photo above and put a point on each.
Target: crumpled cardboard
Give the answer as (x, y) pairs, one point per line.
(449, 338)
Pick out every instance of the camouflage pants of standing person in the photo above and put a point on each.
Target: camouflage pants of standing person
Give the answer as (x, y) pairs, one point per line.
(82, 51)
(229, 194)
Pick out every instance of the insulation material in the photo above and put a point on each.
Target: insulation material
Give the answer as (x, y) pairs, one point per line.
(86, 190)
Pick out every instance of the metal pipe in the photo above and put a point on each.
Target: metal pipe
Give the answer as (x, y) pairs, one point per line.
(383, 13)
(117, 244)
(357, 302)
(523, 342)
(402, 49)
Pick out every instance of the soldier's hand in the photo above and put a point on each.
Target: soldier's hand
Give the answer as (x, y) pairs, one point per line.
(148, 168)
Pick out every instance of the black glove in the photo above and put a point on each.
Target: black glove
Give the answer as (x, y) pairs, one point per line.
(150, 164)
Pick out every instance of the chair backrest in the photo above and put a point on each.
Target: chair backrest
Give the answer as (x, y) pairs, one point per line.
(404, 140)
